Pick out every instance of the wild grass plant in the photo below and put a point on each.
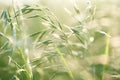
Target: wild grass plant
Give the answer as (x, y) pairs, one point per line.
(56, 51)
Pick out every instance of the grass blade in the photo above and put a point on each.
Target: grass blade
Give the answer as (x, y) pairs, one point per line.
(64, 62)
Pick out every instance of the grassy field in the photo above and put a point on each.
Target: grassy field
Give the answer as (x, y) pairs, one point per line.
(60, 40)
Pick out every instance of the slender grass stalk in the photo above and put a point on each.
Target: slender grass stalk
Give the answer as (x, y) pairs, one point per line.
(21, 50)
(106, 55)
(64, 63)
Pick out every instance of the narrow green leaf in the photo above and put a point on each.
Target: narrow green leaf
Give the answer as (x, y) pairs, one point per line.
(60, 25)
(42, 34)
(2, 15)
(1, 34)
(46, 42)
(34, 34)
(4, 45)
(35, 16)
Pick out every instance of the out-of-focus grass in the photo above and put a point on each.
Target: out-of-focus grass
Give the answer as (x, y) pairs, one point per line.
(82, 48)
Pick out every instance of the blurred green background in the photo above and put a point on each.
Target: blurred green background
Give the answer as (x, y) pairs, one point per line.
(85, 64)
